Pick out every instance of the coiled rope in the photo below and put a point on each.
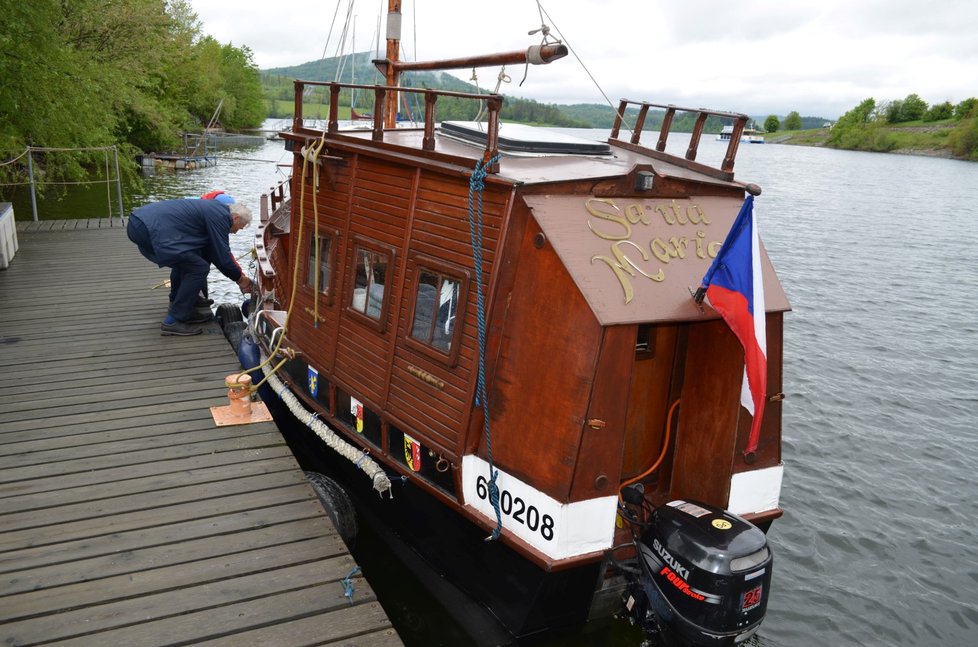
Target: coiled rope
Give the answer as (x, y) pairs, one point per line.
(381, 482)
(476, 186)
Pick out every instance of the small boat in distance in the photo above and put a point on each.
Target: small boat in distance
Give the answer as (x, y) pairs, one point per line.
(476, 330)
(748, 135)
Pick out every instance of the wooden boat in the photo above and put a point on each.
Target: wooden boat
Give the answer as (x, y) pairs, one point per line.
(492, 328)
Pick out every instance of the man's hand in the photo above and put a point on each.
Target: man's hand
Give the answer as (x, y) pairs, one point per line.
(244, 284)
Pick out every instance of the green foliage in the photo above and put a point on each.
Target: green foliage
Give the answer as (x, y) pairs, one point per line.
(912, 108)
(772, 124)
(939, 112)
(860, 129)
(129, 73)
(964, 138)
(967, 108)
(792, 121)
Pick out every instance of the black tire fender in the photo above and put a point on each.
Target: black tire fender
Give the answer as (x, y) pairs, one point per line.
(228, 313)
(234, 332)
(337, 504)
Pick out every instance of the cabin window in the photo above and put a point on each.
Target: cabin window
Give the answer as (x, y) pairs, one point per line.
(439, 307)
(324, 244)
(435, 310)
(372, 275)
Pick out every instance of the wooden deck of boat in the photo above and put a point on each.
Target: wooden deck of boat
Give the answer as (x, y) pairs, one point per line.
(126, 516)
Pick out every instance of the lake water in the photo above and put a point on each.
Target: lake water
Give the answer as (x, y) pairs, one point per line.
(879, 257)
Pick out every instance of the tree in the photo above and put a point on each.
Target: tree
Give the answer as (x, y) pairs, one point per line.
(97, 73)
(966, 108)
(859, 129)
(792, 121)
(913, 108)
(893, 111)
(771, 124)
(939, 111)
(964, 138)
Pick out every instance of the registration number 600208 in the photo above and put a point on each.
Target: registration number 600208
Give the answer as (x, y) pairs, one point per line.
(518, 510)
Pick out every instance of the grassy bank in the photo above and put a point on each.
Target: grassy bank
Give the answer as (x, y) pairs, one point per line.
(917, 138)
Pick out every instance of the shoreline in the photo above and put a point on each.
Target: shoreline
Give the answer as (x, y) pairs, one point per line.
(818, 140)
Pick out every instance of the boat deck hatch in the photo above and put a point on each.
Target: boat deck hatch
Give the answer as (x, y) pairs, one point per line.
(520, 138)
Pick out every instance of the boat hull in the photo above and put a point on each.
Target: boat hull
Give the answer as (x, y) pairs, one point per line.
(517, 599)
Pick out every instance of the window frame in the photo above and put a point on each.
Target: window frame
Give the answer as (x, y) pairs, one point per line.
(327, 294)
(416, 264)
(367, 244)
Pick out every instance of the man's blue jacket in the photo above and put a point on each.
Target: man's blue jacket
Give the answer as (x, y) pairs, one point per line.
(178, 227)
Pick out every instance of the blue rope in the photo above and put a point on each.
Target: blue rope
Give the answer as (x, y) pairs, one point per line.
(348, 584)
(476, 186)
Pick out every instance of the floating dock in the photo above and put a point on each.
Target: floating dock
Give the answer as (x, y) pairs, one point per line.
(126, 516)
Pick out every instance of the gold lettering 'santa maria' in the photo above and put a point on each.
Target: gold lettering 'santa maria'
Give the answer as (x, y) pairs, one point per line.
(630, 258)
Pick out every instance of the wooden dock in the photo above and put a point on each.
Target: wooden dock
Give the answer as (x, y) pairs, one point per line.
(126, 516)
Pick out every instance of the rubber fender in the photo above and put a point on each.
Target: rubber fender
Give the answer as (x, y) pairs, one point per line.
(337, 504)
(228, 313)
(234, 332)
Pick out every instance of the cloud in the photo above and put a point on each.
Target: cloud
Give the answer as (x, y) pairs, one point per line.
(754, 56)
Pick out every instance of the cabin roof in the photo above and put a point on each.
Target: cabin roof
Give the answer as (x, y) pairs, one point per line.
(542, 168)
(521, 139)
(636, 260)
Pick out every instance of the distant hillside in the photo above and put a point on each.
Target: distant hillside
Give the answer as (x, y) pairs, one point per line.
(278, 88)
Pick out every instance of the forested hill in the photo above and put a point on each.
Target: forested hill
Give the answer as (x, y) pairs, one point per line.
(278, 87)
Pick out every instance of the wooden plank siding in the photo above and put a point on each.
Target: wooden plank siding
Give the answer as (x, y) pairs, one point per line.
(410, 213)
(126, 516)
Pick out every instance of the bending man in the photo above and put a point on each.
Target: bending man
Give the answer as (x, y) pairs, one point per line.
(188, 236)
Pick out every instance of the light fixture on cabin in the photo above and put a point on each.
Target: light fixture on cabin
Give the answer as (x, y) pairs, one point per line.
(644, 181)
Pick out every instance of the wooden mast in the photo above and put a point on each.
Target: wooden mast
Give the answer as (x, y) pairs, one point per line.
(392, 73)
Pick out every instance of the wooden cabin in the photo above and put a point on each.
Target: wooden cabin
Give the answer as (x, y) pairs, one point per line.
(597, 359)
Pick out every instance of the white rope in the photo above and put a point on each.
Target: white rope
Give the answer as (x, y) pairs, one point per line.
(352, 453)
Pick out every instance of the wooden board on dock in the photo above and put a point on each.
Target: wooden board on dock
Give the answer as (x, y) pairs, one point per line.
(126, 516)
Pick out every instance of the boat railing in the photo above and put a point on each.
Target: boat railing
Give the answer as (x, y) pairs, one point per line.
(494, 103)
(726, 167)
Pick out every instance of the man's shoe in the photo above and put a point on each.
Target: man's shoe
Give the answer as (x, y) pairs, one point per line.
(179, 328)
(199, 315)
(203, 302)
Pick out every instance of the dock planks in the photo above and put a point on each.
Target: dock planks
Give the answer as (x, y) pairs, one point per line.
(126, 516)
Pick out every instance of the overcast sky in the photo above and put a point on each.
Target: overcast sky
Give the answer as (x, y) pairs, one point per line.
(755, 56)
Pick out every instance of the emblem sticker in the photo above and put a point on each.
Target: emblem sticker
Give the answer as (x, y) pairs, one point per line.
(751, 599)
(412, 453)
(356, 410)
(312, 382)
(722, 524)
(691, 509)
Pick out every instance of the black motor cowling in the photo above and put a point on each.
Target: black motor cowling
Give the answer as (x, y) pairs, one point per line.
(706, 573)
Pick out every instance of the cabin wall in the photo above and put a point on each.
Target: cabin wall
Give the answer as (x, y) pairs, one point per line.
(419, 218)
(708, 414)
(544, 372)
(441, 234)
(656, 381)
(713, 426)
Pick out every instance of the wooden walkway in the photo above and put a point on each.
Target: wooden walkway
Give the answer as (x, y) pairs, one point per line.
(126, 516)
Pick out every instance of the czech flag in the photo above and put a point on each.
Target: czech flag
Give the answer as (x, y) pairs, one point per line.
(735, 289)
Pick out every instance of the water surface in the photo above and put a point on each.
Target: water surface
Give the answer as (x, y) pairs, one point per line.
(878, 255)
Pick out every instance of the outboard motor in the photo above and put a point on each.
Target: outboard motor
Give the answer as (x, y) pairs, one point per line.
(706, 573)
